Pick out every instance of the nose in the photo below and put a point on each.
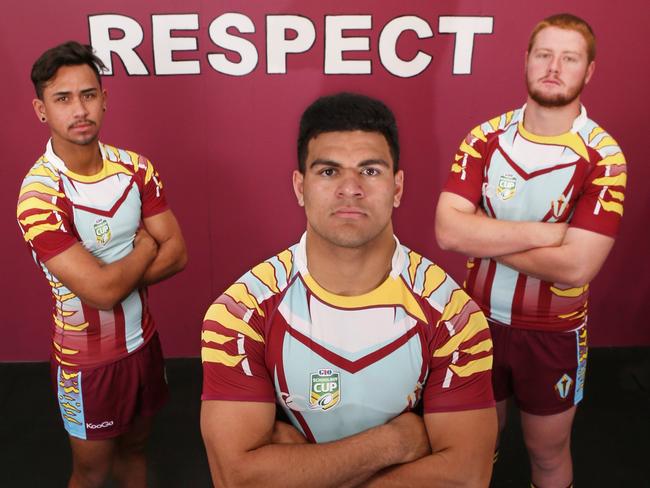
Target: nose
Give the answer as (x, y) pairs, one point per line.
(350, 185)
(554, 64)
(80, 109)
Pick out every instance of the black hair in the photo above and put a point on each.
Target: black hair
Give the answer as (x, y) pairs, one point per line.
(347, 112)
(69, 53)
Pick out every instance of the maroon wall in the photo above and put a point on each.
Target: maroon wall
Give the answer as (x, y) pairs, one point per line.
(225, 144)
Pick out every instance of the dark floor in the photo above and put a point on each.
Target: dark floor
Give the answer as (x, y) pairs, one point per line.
(611, 438)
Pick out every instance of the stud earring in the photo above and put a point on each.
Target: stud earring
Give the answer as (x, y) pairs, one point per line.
(43, 119)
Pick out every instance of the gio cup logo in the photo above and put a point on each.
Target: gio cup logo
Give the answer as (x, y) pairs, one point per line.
(102, 232)
(507, 187)
(325, 389)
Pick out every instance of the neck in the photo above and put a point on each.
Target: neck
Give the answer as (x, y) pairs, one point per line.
(550, 121)
(83, 159)
(350, 271)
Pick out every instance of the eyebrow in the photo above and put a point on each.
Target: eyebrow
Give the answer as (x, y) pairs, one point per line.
(365, 162)
(83, 92)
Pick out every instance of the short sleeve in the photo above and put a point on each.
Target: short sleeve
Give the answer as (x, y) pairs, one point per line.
(44, 218)
(233, 351)
(466, 175)
(600, 206)
(153, 197)
(460, 367)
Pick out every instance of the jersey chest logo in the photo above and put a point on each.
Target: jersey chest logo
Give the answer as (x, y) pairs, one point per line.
(102, 231)
(325, 389)
(507, 187)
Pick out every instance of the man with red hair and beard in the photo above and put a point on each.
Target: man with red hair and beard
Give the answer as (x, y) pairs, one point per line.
(534, 198)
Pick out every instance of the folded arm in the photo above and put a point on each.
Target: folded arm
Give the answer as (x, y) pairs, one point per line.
(460, 229)
(239, 439)
(575, 262)
(98, 284)
(172, 254)
(462, 444)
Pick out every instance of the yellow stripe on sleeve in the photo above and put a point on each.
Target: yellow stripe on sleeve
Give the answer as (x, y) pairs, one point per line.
(606, 141)
(35, 218)
(478, 133)
(39, 187)
(37, 230)
(595, 132)
(240, 293)
(265, 272)
(433, 278)
(456, 303)
(211, 336)
(475, 324)
(476, 366)
(618, 180)
(285, 259)
(34, 203)
(414, 261)
(482, 346)
(466, 148)
(612, 206)
(218, 312)
(616, 159)
(620, 196)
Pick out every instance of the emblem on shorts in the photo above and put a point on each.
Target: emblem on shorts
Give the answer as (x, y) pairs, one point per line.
(102, 232)
(325, 389)
(507, 187)
(563, 386)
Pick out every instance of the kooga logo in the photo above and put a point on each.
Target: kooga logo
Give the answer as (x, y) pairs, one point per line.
(103, 425)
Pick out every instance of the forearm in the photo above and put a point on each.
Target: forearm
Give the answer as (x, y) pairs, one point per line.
(342, 463)
(460, 228)
(116, 280)
(552, 264)
(434, 471)
(170, 259)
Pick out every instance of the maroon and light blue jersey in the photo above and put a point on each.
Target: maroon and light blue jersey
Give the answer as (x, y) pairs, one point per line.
(339, 365)
(578, 177)
(57, 209)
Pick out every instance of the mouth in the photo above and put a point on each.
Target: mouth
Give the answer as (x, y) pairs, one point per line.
(82, 126)
(349, 213)
(550, 81)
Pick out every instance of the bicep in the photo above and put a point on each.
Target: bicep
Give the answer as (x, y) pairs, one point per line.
(163, 227)
(232, 428)
(588, 248)
(75, 267)
(466, 438)
(449, 202)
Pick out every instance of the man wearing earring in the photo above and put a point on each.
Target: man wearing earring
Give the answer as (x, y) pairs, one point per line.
(97, 223)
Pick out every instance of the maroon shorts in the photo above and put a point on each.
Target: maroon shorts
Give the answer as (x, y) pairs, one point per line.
(103, 402)
(544, 371)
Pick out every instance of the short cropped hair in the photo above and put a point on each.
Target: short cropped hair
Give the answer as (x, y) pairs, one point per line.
(70, 53)
(347, 112)
(569, 22)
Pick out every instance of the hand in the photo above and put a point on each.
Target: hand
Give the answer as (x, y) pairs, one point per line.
(284, 433)
(556, 234)
(143, 240)
(413, 437)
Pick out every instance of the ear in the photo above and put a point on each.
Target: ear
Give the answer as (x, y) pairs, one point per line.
(39, 110)
(399, 188)
(105, 97)
(590, 71)
(298, 180)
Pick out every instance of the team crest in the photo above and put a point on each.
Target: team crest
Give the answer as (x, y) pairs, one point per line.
(507, 187)
(325, 389)
(563, 386)
(102, 232)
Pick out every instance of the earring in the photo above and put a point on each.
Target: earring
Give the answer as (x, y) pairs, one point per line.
(43, 118)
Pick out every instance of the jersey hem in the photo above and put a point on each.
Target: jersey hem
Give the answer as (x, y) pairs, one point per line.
(228, 398)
